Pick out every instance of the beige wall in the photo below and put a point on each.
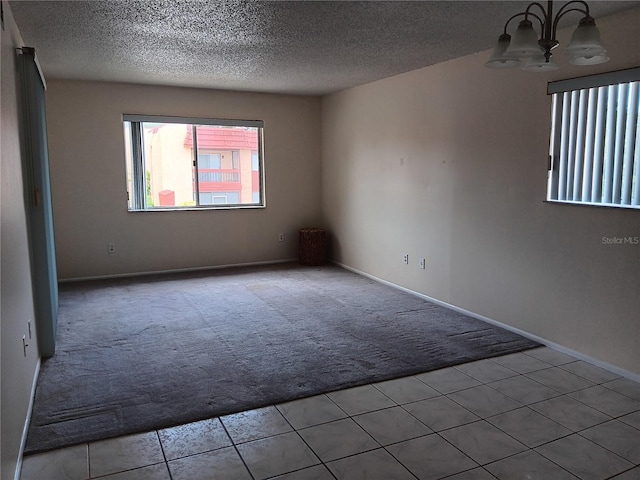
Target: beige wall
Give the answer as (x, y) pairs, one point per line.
(449, 163)
(18, 371)
(86, 151)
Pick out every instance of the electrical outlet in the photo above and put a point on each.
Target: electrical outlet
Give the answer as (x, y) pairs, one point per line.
(405, 259)
(111, 248)
(281, 237)
(423, 263)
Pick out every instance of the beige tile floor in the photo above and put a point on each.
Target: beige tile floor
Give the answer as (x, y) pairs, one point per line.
(535, 415)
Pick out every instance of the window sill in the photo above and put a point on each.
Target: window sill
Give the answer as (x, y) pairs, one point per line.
(597, 205)
(197, 209)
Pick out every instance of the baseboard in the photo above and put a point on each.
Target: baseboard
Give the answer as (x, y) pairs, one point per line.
(27, 421)
(176, 270)
(548, 343)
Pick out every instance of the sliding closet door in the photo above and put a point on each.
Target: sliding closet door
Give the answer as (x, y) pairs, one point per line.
(38, 200)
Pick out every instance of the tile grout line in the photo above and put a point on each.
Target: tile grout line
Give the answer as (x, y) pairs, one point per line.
(164, 455)
(235, 447)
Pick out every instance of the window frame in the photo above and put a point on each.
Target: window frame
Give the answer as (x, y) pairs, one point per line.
(134, 136)
(581, 131)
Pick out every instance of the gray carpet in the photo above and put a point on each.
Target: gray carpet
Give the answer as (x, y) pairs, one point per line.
(140, 354)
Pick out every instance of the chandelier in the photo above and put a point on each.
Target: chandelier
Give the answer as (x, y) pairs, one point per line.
(532, 51)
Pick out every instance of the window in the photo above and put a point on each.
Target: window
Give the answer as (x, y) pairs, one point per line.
(210, 160)
(175, 163)
(595, 140)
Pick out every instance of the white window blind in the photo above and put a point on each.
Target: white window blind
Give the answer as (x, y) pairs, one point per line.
(595, 140)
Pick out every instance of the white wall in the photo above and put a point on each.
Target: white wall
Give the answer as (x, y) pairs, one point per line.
(86, 151)
(18, 371)
(449, 163)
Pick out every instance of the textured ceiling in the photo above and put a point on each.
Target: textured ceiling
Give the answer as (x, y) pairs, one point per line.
(303, 47)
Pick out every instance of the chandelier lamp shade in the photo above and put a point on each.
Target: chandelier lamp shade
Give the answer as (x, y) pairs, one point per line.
(532, 50)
